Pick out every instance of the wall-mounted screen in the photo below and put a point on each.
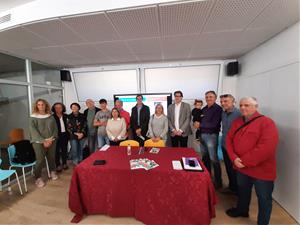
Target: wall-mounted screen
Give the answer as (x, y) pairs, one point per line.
(151, 100)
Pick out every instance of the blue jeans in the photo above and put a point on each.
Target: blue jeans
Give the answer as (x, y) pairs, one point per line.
(77, 150)
(102, 140)
(209, 149)
(263, 191)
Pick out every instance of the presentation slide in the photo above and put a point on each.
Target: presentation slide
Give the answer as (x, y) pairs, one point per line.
(151, 100)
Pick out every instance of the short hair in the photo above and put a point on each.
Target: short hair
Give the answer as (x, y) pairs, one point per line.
(102, 100)
(227, 96)
(211, 92)
(198, 101)
(58, 103)
(75, 103)
(118, 100)
(89, 100)
(119, 115)
(253, 100)
(139, 95)
(35, 109)
(178, 92)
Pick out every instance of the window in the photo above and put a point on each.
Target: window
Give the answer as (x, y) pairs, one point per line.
(51, 95)
(45, 75)
(12, 68)
(14, 109)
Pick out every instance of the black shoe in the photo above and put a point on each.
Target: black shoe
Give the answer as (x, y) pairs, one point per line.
(233, 212)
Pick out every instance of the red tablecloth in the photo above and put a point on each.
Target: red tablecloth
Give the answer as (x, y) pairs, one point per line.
(158, 196)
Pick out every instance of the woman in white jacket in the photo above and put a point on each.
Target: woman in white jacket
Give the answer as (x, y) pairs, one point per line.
(116, 128)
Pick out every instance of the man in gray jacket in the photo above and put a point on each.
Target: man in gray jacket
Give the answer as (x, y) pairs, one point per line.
(179, 115)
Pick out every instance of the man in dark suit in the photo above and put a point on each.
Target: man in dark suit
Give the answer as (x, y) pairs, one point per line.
(140, 115)
(179, 115)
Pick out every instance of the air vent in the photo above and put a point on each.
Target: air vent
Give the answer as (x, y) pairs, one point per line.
(5, 18)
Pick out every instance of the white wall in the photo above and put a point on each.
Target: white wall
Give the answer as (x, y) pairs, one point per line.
(225, 84)
(271, 73)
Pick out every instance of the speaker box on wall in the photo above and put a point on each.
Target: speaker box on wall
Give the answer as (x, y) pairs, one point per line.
(65, 75)
(232, 68)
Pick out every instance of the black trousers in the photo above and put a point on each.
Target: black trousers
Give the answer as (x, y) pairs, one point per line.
(61, 149)
(114, 143)
(231, 172)
(139, 140)
(179, 141)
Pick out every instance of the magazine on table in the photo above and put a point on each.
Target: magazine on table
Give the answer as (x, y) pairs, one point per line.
(145, 164)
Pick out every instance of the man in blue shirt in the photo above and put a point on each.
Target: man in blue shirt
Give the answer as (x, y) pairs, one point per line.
(210, 125)
(229, 114)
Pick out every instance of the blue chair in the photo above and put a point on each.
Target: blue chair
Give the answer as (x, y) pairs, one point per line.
(11, 154)
(6, 174)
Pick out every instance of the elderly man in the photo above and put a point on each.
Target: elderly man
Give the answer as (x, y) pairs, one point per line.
(229, 114)
(89, 114)
(123, 113)
(209, 135)
(251, 144)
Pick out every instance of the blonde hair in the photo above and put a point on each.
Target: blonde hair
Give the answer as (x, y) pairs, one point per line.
(161, 107)
(35, 109)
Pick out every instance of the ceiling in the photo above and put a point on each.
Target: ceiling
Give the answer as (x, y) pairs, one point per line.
(185, 30)
(9, 4)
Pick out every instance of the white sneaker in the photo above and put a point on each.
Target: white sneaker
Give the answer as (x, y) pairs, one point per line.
(39, 183)
(53, 175)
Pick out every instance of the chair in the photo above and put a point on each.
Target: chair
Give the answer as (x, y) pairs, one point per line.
(11, 154)
(130, 142)
(4, 174)
(150, 143)
(16, 135)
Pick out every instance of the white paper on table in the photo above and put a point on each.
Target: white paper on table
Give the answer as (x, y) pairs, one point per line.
(104, 148)
(176, 165)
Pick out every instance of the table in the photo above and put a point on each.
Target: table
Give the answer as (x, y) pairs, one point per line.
(158, 196)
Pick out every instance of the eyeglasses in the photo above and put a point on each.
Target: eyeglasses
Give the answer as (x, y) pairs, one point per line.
(178, 96)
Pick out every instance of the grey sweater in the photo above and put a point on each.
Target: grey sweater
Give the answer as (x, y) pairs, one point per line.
(42, 127)
(158, 127)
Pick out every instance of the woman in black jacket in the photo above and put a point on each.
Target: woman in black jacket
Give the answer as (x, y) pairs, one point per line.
(77, 128)
(61, 153)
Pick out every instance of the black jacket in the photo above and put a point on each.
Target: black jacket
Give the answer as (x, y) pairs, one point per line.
(76, 124)
(144, 119)
(65, 117)
(85, 112)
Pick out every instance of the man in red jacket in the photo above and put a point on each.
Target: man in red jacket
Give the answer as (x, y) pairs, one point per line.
(251, 144)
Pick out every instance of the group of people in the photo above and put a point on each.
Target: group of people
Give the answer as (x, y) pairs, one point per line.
(248, 141)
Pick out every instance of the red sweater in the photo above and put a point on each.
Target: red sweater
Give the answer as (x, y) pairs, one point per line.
(255, 144)
(126, 116)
